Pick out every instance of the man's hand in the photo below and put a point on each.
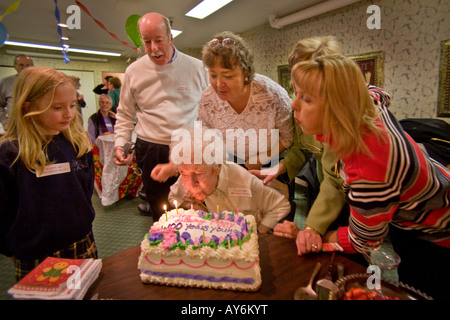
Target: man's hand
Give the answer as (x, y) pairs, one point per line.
(119, 159)
(162, 172)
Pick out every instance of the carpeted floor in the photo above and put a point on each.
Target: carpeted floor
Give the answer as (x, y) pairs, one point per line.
(119, 227)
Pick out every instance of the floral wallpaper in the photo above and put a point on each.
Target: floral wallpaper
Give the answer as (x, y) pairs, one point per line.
(410, 36)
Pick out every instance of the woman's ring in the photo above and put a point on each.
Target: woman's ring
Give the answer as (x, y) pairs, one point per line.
(314, 246)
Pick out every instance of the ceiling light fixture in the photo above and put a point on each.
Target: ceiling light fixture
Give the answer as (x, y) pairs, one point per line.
(46, 47)
(176, 32)
(206, 7)
(53, 56)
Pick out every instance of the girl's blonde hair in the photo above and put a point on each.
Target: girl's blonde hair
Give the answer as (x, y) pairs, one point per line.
(348, 110)
(24, 126)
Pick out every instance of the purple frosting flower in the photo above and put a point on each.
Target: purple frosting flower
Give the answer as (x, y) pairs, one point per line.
(186, 235)
(155, 237)
(215, 239)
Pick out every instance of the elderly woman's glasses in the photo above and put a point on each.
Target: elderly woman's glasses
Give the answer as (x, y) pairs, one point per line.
(226, 42)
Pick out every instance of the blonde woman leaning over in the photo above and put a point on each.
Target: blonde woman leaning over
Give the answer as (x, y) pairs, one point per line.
(46, 174)
(391, 186)
(329, 209)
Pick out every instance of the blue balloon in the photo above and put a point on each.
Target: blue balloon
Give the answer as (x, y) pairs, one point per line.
(3, 34)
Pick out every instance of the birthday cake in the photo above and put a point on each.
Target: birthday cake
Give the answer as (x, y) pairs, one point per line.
(200, 249)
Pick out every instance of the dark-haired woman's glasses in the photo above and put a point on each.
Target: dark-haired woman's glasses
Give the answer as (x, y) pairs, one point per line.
(226, 42)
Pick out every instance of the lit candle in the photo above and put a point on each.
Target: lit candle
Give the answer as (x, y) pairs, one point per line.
(217, 208)
(165, 210)
(176, 205)
(204, 239)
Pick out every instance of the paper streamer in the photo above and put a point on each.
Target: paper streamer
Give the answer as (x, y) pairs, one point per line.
(64, 49)
(101, 25)
(3, 34)
(12, 7)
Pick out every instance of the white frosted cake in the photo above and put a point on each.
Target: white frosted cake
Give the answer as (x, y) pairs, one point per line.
(200, 249)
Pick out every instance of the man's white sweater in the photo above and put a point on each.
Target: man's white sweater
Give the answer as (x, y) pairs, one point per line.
(160, 98)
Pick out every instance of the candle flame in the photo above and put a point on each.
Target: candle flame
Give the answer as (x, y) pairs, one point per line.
(176, 205)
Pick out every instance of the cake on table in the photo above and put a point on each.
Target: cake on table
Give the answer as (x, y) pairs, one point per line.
(200, 249)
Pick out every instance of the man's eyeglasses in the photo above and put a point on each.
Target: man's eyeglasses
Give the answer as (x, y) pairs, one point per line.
(226, 42)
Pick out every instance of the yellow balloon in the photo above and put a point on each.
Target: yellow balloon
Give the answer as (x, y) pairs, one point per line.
(13, 7)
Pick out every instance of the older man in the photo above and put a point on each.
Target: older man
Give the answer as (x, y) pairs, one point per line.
(7, 85)
(161, 91)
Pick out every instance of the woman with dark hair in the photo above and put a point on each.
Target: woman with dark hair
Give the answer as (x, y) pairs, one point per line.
(239, 98)
(114, 85)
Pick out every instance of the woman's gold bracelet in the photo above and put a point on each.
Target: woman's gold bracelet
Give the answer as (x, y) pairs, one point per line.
(312, 229)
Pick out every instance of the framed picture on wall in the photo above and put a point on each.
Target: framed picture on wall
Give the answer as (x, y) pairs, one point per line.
(284, 79)
(444, 81)
(372, 66)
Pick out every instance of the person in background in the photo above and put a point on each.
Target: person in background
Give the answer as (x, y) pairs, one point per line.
(102, 88)
(161, 91)
(212, 184)
(114, 92)
(391, 186)
(329, 210)
(46, 174)
(103, 120)
(80, 98)
(21, 62)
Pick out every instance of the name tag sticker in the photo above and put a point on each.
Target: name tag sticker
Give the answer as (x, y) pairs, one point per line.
(240, 192)
(186, 89)
(53, 169)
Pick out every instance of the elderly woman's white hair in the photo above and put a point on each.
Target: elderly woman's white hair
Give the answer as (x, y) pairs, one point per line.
(197, 145)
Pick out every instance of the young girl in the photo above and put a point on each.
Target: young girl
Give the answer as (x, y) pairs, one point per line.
(390, 185)
(46, 174)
